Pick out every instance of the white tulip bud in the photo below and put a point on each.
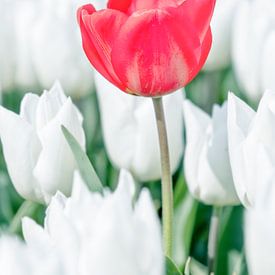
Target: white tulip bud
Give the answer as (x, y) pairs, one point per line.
(206, 163)
(250, 134)
(38, 157)
(130, 131)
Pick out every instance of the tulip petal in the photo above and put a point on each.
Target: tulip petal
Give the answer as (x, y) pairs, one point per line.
(55, 166)
(20, 155)
(121, 5)
(240, 116)
(99, 30)
(200, 12)
(130, 6)
(155, 52)
(205, 49)
(28, 107)
(49, 104)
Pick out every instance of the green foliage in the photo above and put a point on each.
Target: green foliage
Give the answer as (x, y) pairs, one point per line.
(85, 167)
(171, 268)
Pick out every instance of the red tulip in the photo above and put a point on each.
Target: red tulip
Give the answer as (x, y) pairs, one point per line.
(148, 47)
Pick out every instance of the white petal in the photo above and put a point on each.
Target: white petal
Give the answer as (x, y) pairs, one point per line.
(21, 149)
(28, 108)
(240, 117)
(49, 104)
(56, 163)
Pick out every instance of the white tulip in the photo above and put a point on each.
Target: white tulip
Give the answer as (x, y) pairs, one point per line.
(260, 224)
(206, 162)
(130, 131)
(249, 135)
(97, 234)
(16, 258)
(38, 157)
(42, 43)
(221, 26)
(253, 46)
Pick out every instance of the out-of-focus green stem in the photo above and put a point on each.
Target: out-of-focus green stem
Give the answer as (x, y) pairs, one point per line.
(26, 209)
(167, 187)
(213, 239)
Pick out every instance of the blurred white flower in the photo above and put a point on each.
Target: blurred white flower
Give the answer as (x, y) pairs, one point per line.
(206, 162)
(16, 258)
(42, 43)
(38, 157)
(250, 135)
(96, 234)
(253, 46)
(260, 224)
(7, 43)
(221, 26)
(130, 132)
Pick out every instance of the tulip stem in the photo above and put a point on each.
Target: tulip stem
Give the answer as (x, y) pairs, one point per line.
(167, 186)
(213, 239)
(27, 208)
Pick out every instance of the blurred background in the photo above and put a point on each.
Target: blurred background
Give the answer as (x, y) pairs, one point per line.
(40, 43)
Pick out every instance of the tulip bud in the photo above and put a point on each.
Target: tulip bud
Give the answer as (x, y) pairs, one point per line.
(253, 46)
(250, 134)
(38, 157)
(102, 229)
(221, 26)
(206, 163)
(130, 132)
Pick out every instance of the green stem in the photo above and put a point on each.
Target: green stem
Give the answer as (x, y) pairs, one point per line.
(27, 208)
(213, 239)
(167, 187)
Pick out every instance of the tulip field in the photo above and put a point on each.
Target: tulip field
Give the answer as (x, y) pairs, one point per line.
(137, 137)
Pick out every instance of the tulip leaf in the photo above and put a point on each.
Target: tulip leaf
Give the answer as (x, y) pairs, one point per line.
(193, 267)
(171, 268)
(85, 167)
(185, 216)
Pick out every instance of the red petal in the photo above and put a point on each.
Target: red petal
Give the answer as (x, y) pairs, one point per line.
(205, 49)
(155, 52)
(99, 30)
(130, 6)
(200, 12)
(121, 5)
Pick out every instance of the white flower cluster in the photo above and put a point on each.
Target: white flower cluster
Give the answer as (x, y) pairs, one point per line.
(88, 233)
(41, 39)
(230, 158)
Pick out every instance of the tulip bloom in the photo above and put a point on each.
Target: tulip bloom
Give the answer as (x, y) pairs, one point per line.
(148, 48)
(207, 167)
(38, 157)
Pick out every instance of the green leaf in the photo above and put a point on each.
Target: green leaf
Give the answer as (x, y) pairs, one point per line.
(171, 268)
(85, 167)
(184, 218)
(237, 264)
(193, 267)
